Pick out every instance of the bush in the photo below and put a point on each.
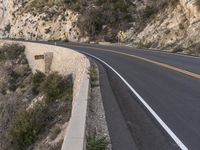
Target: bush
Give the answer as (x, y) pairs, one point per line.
(7, 28)
(99, 2)
(194, 49)
(57, 87)
(149, 11)
(177, 49)
(120, 6)
(76, 6)
(181, 26)
(53, 86)
(97, 143)
(3, 87)
(13, 80)
(30, 123)
(93, 75)
(37, 79)
(11, 51)
(48, 30)
(93, 20)
(27, 126)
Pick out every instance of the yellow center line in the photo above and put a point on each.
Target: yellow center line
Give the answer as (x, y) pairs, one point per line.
(148, 60)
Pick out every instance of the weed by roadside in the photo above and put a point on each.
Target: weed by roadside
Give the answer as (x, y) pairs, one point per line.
(93, 76)
(194, 49)
(177, 49)
(97, 143)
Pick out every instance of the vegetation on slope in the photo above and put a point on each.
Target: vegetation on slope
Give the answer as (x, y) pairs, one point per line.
(32, 121)
(32, 107)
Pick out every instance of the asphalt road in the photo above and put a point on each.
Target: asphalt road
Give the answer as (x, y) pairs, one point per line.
(169, 83)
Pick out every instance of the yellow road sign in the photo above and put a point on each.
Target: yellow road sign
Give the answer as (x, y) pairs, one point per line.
(65, 34)
(121, 35)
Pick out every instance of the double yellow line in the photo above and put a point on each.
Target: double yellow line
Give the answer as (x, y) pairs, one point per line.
(147, 60)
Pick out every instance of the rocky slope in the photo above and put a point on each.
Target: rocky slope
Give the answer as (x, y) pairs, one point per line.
(37, 20)
(177, 25)
(158, 24)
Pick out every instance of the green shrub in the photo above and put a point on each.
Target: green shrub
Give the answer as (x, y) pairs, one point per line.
(120, 5)
(13, 80)
(3, 87)
(93, 75)
(53, 86)
(149, 11)
(177, 49)
(48, 30)
(97, 143)
(27, 126)
(7, 28)
(76, 6)
(37, 79)
(92, 22)
(99, 2)
(194, 49)
(181, 26)
(11, 51)
(57, 87)
(30, 123)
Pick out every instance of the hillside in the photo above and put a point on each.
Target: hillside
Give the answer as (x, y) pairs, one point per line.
(160, 24)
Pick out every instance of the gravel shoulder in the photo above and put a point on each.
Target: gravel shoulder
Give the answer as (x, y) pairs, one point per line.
(96, 119)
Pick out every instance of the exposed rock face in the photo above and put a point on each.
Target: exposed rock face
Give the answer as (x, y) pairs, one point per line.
(164, 25)
(176, 25)
(22, 19)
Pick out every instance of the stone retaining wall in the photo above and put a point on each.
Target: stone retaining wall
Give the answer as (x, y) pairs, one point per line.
(66, 61)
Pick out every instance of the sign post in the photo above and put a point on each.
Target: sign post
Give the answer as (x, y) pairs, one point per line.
(120, 36)
(66, 35)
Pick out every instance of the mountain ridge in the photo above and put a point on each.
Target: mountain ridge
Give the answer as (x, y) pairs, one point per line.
(159, 24)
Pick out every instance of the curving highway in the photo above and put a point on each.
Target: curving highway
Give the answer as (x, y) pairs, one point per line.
(151, 99)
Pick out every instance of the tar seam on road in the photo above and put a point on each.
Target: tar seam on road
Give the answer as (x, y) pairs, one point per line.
(191, 74)
(160, 121)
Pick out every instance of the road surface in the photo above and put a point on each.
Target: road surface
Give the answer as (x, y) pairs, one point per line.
(169, 84)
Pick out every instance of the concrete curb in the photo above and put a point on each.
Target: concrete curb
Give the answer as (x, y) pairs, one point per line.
(75, 134)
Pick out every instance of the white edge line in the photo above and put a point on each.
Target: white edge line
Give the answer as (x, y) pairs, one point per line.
(160, 121)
